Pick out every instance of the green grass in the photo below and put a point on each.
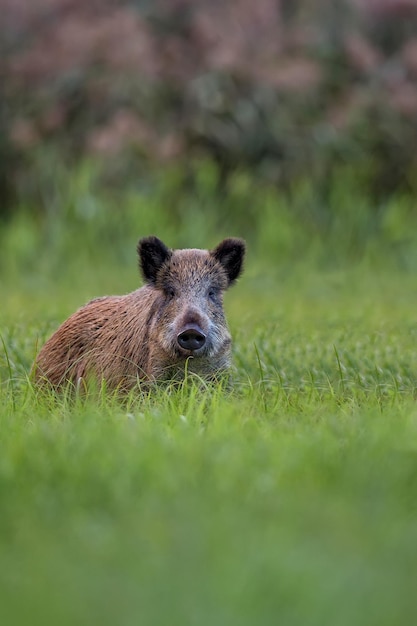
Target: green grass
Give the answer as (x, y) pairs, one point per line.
(288, 499)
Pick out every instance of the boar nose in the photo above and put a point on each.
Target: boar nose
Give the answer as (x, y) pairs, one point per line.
(191, 338)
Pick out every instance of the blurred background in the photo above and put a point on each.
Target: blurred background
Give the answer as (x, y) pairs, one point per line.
(290, 123)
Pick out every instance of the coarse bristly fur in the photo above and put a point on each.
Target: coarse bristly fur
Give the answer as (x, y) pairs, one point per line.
(174, 324)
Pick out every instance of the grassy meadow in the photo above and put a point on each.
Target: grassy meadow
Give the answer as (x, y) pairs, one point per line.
(290, 498)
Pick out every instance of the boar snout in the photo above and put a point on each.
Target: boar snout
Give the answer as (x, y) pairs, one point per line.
(191, 338)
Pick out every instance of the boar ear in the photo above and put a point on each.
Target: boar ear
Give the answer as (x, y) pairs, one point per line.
(230, 253)
(152, 255)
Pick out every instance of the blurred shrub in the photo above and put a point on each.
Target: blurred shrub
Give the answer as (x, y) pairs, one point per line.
(283, 88)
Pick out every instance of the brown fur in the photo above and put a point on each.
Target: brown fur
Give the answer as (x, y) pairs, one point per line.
(131, 338)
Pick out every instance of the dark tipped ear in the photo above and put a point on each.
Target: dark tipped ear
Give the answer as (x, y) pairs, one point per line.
(152, 255)
(230, 253)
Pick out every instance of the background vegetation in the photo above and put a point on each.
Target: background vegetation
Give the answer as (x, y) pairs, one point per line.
(282, 89)
(291, 496)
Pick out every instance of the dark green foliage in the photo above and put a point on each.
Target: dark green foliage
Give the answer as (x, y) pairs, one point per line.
(284, 91)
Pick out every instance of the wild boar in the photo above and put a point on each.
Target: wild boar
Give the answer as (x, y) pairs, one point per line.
(174, 324)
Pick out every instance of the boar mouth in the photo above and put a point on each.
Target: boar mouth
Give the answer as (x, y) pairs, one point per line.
(191, 340)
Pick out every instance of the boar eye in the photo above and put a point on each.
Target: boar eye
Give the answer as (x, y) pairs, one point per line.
(170, 292)
(212, 293)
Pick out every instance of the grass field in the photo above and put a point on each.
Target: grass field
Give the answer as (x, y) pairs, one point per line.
(289, 499)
